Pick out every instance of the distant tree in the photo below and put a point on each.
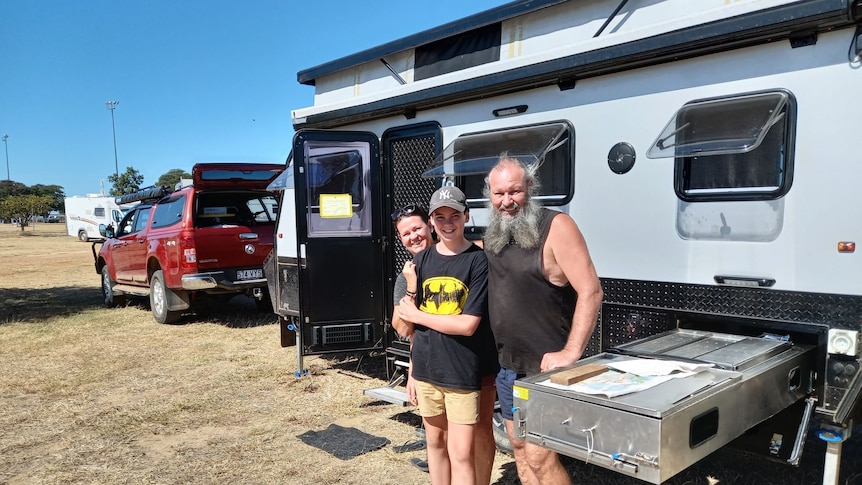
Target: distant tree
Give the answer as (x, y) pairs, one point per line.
(10, 187)
(24, 208)
(172, 177)
(127, 183)
(56, 192)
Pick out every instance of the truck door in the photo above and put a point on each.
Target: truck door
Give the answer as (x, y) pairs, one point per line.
(340, 239)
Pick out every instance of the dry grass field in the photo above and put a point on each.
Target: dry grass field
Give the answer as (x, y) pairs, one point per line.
(92, 395)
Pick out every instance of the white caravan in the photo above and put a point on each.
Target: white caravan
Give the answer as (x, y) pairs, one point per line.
(85, 213)
(700, 146)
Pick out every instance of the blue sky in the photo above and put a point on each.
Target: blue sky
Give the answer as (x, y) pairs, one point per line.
(196, 80)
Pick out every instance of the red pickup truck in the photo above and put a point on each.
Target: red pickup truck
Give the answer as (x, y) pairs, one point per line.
(208, 237)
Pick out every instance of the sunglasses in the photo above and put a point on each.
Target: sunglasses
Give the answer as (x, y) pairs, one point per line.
(407, 210)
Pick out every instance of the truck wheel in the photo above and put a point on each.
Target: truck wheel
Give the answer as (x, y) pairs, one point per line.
(110, 299)
(159, 300)
(82, 236)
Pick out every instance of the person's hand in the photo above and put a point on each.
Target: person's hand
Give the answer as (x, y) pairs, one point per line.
(556, 360)
(409, 272)
(407, 310)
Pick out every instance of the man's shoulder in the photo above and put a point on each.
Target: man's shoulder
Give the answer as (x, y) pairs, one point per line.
(559, 219)
(554, 213)
(563, 233)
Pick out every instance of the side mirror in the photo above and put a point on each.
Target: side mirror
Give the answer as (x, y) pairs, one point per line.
(106, 231)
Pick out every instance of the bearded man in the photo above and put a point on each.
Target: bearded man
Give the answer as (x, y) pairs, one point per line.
(543, 297)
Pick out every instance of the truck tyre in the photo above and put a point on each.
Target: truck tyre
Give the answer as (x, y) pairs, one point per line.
(159, 300)
(82, 236)
(108, 296)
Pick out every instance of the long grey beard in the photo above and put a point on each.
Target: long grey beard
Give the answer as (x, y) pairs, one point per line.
(522, 229)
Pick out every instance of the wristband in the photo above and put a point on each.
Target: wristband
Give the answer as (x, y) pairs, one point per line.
(411, 294)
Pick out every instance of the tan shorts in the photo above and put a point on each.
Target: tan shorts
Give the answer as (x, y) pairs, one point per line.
(460, 406)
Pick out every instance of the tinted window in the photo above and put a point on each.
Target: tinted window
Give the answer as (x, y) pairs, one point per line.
(169, 212)
(731, 148)
(134, 221)
(141, 220)
(336, 190)
(335, 173)
(234, 209)
(473, 48)
(550, 146)
(263, 209)
(236, 174)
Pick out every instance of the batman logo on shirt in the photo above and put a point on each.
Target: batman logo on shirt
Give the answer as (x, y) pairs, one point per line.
(444, 295)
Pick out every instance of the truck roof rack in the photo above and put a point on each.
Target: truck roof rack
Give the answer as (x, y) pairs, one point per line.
(148, 193)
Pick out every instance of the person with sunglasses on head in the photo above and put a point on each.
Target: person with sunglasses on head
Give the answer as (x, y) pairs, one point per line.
(453, 352)
(415, 233)
(414, 230)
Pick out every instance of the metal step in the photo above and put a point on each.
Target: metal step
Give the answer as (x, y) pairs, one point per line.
(388, 394)
(131, 290)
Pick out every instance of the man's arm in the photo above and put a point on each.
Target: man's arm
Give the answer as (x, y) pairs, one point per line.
(567, 259)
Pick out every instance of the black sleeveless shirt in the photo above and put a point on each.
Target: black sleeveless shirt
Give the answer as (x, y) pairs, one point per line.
(529, 315)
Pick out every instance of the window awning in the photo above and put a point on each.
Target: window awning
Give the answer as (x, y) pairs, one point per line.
(719, 126)
(477, 153)
(285, 179)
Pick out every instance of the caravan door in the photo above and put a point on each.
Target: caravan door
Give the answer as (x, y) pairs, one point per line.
(339, 221)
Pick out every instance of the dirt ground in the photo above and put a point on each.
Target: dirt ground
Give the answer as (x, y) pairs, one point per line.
(104, 396)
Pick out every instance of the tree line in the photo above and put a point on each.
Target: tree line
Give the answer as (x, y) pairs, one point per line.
(24, 204)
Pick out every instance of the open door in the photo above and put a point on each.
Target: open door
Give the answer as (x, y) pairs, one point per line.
(340, 241)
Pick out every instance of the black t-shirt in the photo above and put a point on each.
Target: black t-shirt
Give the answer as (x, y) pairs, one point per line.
(529, 315)
(453, 285)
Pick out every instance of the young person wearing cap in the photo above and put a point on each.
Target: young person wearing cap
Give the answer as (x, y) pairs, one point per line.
(452, 349)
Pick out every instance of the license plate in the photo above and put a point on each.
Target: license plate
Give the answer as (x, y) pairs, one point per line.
(249, 274)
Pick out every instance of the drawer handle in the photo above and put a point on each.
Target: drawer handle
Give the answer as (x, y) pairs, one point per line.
(567, 425)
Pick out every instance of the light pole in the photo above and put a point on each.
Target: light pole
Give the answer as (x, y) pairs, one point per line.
(6, 137)
(111, 105)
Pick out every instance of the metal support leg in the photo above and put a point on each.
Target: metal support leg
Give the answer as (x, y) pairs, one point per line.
(832, 465)
(300, 370)
(834, 435)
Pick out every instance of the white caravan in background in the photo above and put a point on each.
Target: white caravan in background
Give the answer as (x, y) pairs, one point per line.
(706, 149)
(85, 213)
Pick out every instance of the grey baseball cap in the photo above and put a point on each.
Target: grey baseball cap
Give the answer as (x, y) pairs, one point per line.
(448, 196)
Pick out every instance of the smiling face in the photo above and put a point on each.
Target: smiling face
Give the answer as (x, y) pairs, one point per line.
(449, 223)
(415, 234)
(509, 190)
(514, 216)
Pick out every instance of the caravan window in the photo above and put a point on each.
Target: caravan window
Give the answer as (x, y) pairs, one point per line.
(99, 212)
(549, 147)
(338, 200)
(732, 148)
(474, 48)
(335, 173)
